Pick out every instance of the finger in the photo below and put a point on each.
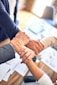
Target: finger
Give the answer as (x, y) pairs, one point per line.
(29, 55)
(22, 52)
(35, 48)
(37, 45)
(25, 59)
(29, 58)
(40, 45)
(26, 56)
(13, 42)
(17, 45)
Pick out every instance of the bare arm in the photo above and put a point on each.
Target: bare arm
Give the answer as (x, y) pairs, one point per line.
(24, 54)
(37, 73)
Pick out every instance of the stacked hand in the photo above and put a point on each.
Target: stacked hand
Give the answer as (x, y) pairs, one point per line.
(32, 47)
(25, 53)
(36, 46)
(23, 36)
(17, 44)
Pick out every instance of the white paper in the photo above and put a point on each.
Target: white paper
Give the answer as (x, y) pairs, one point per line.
(6, 69)
(15, 65)
(3, 70)
(40, 29)
(30, 34)
(6, 77)
(14, 62)
(49, 57)
(21, 69)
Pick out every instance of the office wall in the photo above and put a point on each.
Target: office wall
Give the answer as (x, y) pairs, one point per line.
(40, 5)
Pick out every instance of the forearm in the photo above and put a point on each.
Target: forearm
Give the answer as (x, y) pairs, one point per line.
(41, 77)
(17, 44)
(37, 73)
(49, 41)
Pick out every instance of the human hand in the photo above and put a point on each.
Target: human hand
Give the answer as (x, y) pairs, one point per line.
(36, 46)
(23, 36)
(26, 54)
(17, 44)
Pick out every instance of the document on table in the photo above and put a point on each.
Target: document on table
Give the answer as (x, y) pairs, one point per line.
(17, 66)
(6, 77)
(6, 69)
(49, 57)
(40, 29)
(21, 69)
(3, 70)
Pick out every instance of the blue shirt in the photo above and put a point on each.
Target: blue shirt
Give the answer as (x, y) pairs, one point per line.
(8, 28)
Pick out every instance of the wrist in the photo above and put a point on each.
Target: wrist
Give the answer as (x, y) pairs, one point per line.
(16, 44)
(23, 36)
(29, 61)
(12, 46)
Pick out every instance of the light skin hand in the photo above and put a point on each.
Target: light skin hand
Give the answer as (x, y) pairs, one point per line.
(26, 54)
(23, 36)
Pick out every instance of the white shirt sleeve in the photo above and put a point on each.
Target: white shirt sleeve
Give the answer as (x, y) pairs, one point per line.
(45, 80)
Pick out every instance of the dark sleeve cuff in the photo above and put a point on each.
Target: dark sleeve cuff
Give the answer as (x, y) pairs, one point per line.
(6, 53)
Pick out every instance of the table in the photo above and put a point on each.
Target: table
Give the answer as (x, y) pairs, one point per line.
(49, 71)
(16, 78)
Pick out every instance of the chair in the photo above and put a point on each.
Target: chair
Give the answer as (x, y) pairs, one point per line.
(48, 15)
